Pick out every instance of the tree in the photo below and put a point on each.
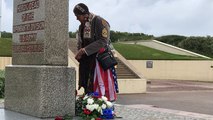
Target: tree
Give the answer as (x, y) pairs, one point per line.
(6, 34)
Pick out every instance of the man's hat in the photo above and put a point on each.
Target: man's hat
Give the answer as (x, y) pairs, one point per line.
(80, 9)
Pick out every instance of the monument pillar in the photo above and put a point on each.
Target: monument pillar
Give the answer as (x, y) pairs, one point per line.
(39, 82)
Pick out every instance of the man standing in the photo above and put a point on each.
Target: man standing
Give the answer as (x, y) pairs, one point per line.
(94, 34)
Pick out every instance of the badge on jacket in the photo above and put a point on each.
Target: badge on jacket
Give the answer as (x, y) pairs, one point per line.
(105, 33)
(104, 23)
(87, 30)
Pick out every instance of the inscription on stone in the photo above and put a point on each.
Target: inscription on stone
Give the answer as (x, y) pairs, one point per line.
(40, 30)
(28, 27)
(28, 37)
(28, 6)
(27, 17)
(28, 48)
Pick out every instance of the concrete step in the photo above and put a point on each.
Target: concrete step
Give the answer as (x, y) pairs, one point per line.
(123, 71)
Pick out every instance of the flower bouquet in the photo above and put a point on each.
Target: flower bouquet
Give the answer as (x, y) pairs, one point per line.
(92, 107)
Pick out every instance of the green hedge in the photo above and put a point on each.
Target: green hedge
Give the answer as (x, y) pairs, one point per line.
(6, 34)
(198, 44)
(202, 45)
(122, 36)
(2, 83)
(171, 39)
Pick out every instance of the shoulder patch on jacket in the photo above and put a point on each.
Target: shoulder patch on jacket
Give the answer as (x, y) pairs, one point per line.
(105, 33)
(104, 23)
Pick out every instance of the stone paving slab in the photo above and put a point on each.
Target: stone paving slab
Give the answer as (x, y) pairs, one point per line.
(145, 112)
(127, 112)
(178, 85)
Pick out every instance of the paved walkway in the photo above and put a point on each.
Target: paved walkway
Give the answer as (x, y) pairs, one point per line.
(178, 95)
(127, 112)
(165, 100)
(144, 112)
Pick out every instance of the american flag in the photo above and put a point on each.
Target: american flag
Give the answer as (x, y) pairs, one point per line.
(104, 82)
(115, 79)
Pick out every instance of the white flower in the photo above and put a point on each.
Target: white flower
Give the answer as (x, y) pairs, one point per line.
(109, 104)
(90, 107)
(101, 112)
(77, 97)
(99, 109)
(100, 99)
(104, 98)
(85, 97)
(90, 101)
(93, 119)
(96, 106)
(103, 106)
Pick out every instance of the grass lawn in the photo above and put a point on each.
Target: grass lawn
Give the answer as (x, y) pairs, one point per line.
(140, 52)
(129, 51)
(5, 47)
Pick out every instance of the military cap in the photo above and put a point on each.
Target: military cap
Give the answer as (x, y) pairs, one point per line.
(80, 9)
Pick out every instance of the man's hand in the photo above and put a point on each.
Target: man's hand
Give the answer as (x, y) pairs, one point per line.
(79, 54)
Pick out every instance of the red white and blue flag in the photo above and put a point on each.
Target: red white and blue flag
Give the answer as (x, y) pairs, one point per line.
(105, 82)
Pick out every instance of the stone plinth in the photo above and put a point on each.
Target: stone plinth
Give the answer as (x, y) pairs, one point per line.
(40, 32)
(39, 83)
(41, 91)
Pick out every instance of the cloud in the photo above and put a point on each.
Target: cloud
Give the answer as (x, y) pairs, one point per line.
(158, 17)
(161, 17)
(155, 17)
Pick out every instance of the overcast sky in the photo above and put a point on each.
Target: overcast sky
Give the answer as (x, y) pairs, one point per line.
(154, 17)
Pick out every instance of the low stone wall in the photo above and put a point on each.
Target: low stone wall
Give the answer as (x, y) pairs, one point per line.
(5, 61)
(175, 69)
(163, 69)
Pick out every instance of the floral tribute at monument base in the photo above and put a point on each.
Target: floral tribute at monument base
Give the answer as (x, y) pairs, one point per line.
(93, 107)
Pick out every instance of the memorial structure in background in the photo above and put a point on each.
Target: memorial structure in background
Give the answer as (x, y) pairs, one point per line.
(39, 82)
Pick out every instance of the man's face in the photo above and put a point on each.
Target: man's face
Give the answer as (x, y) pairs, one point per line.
(80, 18)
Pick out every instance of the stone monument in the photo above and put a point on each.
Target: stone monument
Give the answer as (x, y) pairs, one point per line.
(39, 82)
